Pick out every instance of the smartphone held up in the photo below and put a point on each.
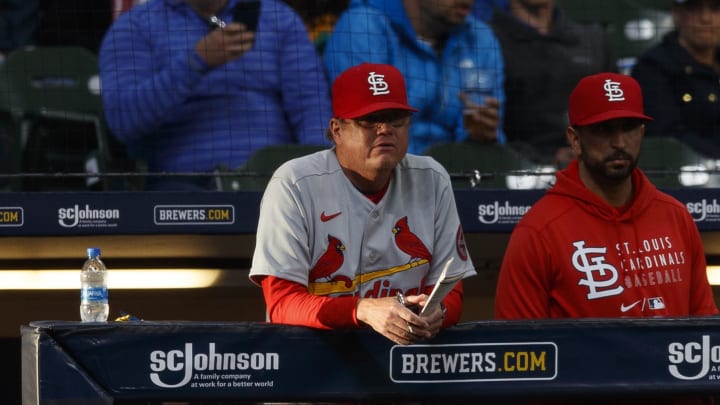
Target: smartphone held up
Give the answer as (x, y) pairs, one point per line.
(248, 13)
(245, 12)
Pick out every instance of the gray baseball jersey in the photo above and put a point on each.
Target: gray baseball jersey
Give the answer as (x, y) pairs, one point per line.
(318, 230)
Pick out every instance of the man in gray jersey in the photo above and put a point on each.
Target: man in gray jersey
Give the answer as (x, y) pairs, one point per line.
(355, 235)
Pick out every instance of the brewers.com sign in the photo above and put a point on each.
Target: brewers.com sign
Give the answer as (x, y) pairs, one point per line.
(474, 362)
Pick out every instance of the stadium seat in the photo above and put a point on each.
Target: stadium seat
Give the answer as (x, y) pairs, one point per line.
(631, 25)
(52, 118)
(475, 165)
(257, 170)
(670, 163)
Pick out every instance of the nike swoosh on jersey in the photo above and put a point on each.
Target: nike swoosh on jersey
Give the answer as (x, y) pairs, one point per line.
(326, 218)
(624, 308)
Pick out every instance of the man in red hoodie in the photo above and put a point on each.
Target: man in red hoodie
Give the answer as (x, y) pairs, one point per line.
(604, 242)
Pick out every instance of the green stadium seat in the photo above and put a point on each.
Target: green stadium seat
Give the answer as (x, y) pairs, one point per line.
(670, 163)
(51, 115)
(475, 165)
(631, 25)
(257, 170)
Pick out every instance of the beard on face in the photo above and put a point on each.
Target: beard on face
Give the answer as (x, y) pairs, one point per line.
(606, 173)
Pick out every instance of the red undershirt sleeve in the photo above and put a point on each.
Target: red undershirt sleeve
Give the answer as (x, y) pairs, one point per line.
(290, 303)
(453, 304)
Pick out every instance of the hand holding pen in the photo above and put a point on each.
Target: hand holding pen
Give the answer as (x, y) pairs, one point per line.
(393, 318)
(413, 307)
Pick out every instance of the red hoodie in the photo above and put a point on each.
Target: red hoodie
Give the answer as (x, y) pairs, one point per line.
(575, 256)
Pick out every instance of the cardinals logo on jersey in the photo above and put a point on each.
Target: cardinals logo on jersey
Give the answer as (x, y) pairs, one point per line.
(408, 242)
(330, 262)
(601, 278)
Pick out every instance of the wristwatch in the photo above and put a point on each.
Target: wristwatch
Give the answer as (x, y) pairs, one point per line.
(444, 310)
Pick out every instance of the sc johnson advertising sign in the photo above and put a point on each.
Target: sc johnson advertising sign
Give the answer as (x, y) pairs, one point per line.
(694, 359)
(88, 216)
(501, 212)
(208, 367)
(474, 362)
(704, 210)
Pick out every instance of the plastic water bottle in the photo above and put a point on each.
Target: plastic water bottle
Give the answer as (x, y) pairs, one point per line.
(94, 305)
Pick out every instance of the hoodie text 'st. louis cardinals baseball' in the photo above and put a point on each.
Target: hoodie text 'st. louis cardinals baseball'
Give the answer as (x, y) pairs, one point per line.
(575, 256)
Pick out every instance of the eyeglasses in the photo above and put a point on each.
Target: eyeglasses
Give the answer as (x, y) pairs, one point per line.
(375, 120)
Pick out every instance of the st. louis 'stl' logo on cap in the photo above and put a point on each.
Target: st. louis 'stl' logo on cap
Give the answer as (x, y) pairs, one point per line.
(378, 85)
(353, 98)
(613, 91)
(605, 96)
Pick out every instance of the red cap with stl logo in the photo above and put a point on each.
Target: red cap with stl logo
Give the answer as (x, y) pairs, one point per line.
(367, 88)
(603, 97)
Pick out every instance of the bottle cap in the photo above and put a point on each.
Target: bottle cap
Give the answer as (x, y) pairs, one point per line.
(93, 252)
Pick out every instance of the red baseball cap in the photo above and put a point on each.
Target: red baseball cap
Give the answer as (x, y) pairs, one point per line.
(366, 88)
(603, 97)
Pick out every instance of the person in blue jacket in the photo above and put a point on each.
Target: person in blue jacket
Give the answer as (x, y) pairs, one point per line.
(187, 97)
(428, 41)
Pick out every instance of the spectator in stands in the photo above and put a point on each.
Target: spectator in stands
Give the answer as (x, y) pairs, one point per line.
(428, 41)
(680, 77)
(604, 242)
(545, 55)
(345, 230)
(187, 98)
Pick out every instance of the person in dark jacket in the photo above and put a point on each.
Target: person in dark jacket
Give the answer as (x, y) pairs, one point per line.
(679, 77)
(545, 54)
